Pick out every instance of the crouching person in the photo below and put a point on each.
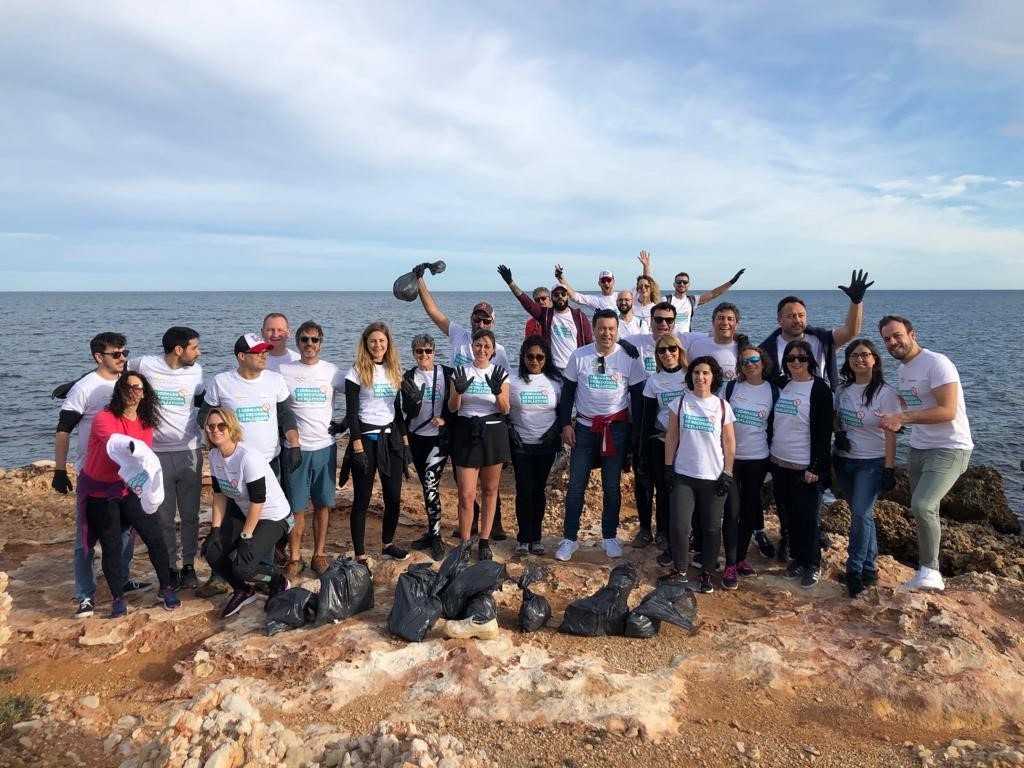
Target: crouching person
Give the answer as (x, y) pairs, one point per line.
(250, 511)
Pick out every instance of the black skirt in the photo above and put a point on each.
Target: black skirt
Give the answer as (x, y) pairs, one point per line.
(480, 441)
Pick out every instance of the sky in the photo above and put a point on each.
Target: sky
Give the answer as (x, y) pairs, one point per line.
(308, 145)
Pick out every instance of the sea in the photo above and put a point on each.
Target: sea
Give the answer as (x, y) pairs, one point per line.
(47, 343)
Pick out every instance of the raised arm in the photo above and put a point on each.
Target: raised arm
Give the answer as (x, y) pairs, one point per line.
(715, 293)
(536, 310)
(560, 277)
(645, 259)
(433, 311)
(855, 290)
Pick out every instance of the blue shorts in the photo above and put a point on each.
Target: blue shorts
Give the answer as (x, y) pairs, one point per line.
(314, 479)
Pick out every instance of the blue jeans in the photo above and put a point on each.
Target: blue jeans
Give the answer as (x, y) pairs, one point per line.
(585, 455)
(85, 576)
(860, 481)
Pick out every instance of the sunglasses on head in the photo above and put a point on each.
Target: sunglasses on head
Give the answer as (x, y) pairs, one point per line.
(797, 358)
(310, 339)
(117, 354)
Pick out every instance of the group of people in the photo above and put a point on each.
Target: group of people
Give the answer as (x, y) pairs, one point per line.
(702, 419)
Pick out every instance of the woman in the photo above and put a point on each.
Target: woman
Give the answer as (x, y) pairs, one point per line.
(377, 437)
(110, 506)
(250, 511)
(661, 389)
(533, 394)
(699, 449)
(479, 394)
(425, 405)
(865, 454)
(647, 295)
(752, 398)
(800, 457)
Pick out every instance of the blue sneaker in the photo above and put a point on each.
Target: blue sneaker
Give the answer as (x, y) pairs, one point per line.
(171, 601)
(118, 608)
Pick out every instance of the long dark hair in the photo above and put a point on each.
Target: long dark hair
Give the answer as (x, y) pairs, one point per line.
(877, 375)
(149, 417)
(801, 346)
(548, 370)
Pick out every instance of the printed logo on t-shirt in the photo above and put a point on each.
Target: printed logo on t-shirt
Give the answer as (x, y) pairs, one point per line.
(603, 380)
(137, 482)
(851, 418)
(229, 488)
(562, 330)
(666, 398)
(698, 423)
(253, 413)
(168, 397)
(910, 397)
(539, 397)
(750, 418)
(384, 390)
(310, 394)
(789, 407)
(649, 365)
(461, 359)
(477, 387)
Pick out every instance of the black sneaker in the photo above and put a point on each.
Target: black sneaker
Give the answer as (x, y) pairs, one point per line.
(706, 587)
(794, 571)
(660, 539)
(672, 575)
(423, 542)
(854, 584)
(133, 585)
(238, 601)
(665, 559)
(86, 608)
(782, 551)
(437, 550)
(498, 534)
(484, 552)
(810, 577)
(868, 577)
(187, 579)
(764, 544)
(394, 552)
(175, 578)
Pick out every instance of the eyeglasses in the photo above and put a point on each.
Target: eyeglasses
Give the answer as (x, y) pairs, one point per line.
(423, 351)
(481, 320)
(860, 355)
(682, 282)
(117, 354)
(751, 360)
(539, 357)
(662, 320)
(542, 298)
(797, 359)
(310, 339)
(216, 426)
(668, 350)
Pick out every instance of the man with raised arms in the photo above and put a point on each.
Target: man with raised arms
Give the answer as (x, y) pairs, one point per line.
(686, 303)
(940, 437)
(276, 331)
(603, 300)
(177, 380)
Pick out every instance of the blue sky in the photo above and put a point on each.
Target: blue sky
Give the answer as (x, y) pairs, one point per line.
(332, 145)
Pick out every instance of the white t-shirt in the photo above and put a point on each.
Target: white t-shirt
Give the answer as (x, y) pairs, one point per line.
(918, 378)
(644, 310)
(751, 405)
(377, 401)
(140, 468)
(244, 466)
(89, 395)
(461, 341)
(602, 393)
(433, 401)
(274, 362)
(596, 300)
(701, 344)
(791, 431)
(534, 405)
(254, 402)
(666, 388)
(817, 352)
(862, 422)
(478, 400)
(645, 344)
(684, 310)
(636, 325)
(175, 390)
(563, 338)
(700, 452)
(312, 388)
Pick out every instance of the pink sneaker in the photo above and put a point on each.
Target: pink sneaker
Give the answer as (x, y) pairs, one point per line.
(745, 569)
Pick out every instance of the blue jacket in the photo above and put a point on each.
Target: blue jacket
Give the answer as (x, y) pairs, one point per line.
(828, 345)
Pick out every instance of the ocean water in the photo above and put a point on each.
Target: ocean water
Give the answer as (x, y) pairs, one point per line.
(47, 343)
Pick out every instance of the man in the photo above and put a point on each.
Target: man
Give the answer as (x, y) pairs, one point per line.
(605, 282)
(940, 437)
(461, 341)
(542, 296)
(628, 323)
(684, 302)
(663, 321)
(275, 330)
(312, 383)
(792, 318)
(177, 380)
(601, 381)
(723, 342)
(87, 397)
(564, 329)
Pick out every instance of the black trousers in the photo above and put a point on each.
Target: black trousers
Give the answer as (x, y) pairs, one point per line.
(108, 520)
(652, 489)
(745, 500)
(801, 502)
(695, 497)
(532, 466)
(264, 537)
(388, 464)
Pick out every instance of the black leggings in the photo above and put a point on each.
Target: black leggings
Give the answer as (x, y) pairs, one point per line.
(108, 520)
(694, 495)
(430, 462)
(532, 466)
(801, 503)
(652, 491)
(264, 537)
(391, 490)
(746, 512)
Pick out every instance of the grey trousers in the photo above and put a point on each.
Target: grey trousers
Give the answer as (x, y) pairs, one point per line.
(933, 471)
(183, 485)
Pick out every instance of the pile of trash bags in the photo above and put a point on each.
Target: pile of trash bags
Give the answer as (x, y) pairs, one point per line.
(346, 588)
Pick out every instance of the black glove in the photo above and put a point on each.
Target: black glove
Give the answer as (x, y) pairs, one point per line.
(558, 273)
(294, 458)
(737, 276)
(842, 441)
(498, 377)
(419, 269)
(338, 427)
(858, 286)
(460, 380)
(212, 549)
(888, 478)
(723, 484)
(61, 483)
(411, 393)
(742, 340)
(361, 461)
(244, 553)
(629, 349)
(506, 274)
(515, 440)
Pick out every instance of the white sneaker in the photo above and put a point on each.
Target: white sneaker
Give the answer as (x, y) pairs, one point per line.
(611, 547)
(926, 579)
(565, 549)
(472, 627)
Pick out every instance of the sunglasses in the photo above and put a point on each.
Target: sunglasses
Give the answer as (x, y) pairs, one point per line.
(481, 320)
(310, 339)
(118, 354)
(860, 355)
(217, 426)
(136, 387)
(668, 350)
(542, 298)
(797, 359)
(600, 365)
(662, 320)
(682, 282)
(751, 360)
(539, 358)
(423, 351)
(605, 280)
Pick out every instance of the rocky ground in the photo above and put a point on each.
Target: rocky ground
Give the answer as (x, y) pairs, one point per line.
(773, 676)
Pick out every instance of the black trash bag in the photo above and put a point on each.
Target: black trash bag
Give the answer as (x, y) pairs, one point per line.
(405, 287)
(346, 588)
(290, 609)
(535, 611)
(415, 610)
(481, 607)
(454, 563)
(485, 576)
(604, 612)
(671, 601)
